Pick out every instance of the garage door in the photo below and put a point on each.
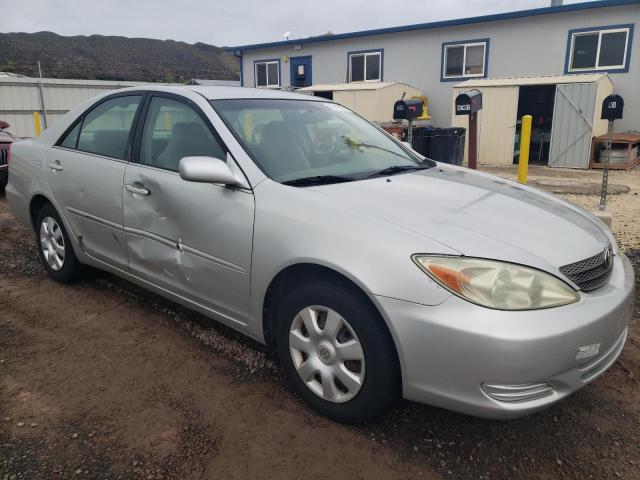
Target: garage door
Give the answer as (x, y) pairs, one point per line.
(572, 125)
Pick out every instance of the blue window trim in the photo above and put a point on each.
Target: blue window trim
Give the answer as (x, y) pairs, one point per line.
(465, 77)
(627, 60)
(255, 77)
(372, 50)
(300, 57)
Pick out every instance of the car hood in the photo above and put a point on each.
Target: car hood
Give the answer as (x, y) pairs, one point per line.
(476, 214)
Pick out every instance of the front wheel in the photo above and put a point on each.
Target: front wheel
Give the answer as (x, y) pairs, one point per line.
(336, 352)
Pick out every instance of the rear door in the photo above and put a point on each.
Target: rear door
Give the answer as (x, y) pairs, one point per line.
(85, 169)
(192, 239)
(572, 125)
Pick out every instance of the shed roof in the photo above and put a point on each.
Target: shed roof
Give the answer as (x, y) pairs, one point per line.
(535, 80)
(444, 23)
(335, 87)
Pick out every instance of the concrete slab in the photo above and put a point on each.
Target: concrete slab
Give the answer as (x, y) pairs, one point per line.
(579, 187)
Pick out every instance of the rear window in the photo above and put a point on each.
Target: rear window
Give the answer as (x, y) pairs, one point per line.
(105, 129)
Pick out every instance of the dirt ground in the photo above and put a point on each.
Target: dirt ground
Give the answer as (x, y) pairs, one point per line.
(104, 380)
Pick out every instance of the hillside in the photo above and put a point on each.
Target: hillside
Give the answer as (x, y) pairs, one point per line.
(113, 58)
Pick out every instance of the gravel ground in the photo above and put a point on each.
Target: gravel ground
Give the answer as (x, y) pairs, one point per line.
(105, 380)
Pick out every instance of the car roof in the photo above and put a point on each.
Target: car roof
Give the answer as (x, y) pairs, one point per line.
(224, 92)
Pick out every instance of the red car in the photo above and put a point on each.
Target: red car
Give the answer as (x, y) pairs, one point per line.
(6, 139)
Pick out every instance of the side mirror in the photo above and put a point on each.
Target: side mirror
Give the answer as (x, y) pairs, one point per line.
(207, 170)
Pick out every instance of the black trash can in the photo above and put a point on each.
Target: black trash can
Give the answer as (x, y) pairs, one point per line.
(440, 144)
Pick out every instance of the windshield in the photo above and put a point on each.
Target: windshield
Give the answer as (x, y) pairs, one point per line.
(297, 140)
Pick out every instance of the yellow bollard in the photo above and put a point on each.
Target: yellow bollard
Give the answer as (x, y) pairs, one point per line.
(37, 124)
(525, 142)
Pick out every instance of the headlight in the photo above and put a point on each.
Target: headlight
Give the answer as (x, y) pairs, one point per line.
(494, 284)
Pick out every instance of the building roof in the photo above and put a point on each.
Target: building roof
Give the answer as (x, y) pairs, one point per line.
(211, 82)
(22, 80)
(334, 87)
(535, 80)
(444, 23)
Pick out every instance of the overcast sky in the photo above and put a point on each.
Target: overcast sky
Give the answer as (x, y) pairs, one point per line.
(235, 22)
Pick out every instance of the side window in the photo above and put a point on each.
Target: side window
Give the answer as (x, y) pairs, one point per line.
(464, 60)
(267, 73)
(105, 129)
(71, 139)
(365, 66)
(599, 49)
(173, 130)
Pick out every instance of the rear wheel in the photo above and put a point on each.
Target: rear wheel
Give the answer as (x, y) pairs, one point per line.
(54, 247)
(337, 352)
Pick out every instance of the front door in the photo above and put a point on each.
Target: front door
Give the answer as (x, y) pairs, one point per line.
(572, 125)
(85, 170)
(192, 239)
(301, 71)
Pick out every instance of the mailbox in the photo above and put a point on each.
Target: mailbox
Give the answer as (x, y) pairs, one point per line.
(408, 109)
(468, 103)
(612, 108)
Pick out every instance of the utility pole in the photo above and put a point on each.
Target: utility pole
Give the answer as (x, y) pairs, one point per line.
(41, 94)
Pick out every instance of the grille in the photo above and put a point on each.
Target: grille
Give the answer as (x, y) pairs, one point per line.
(4, 154)
(592, 272)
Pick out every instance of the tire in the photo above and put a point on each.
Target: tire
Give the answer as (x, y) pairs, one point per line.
(52, 237)
(378, 385)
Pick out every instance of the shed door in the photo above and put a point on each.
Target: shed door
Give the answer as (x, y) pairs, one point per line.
(572, 125)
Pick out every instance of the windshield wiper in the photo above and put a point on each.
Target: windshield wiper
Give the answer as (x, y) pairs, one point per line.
(317, 180)
(397, 169)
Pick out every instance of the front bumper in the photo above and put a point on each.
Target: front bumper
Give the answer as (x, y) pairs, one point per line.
(494, 364)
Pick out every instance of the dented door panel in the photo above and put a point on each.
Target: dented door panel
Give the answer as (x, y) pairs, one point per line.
(194, 239)
(92, 208)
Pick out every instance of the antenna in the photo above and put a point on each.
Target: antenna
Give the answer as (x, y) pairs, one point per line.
(286, 35)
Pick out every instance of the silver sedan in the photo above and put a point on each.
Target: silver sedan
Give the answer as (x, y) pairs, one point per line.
(375, 273)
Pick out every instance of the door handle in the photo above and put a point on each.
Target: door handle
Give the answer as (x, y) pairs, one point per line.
(56, 166)
(137, 190)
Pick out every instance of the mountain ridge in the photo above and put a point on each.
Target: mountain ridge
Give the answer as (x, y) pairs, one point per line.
(111, 57)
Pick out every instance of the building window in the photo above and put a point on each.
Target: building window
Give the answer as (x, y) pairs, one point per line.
(464, 59)
(365, 66)
(267, 73)
(599, 49)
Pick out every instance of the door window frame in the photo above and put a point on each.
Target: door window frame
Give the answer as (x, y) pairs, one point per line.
(624, 68)
(132, 129)
(137, 139)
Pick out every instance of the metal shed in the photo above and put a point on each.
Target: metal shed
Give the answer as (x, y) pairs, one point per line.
(373, 100)
(20, 97)
(566, 139)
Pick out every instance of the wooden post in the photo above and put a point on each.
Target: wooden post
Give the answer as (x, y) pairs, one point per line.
(473, 141)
